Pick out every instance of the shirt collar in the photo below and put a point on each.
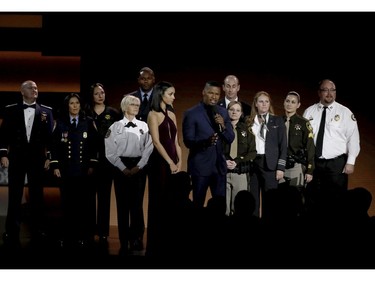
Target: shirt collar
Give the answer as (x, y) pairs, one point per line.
(227, 101)
(71, 118)
(126, 120)
(29, 103)
(148, 93)
(328, 107)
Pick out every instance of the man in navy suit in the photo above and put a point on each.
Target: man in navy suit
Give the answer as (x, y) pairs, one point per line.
(25, 136)
(204, 127)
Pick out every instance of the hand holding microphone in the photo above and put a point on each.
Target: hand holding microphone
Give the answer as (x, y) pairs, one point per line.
(219, 120)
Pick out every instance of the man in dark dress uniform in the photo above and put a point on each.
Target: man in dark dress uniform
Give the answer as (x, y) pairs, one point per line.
(25, 134)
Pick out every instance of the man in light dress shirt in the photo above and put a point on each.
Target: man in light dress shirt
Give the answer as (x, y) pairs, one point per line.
(340, 143)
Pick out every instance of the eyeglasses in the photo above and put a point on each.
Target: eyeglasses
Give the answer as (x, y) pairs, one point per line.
(135, 104)
(325, 90)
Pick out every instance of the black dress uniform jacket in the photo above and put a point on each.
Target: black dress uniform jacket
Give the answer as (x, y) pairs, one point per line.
(74, 150)
(13, 141)
(25, 157)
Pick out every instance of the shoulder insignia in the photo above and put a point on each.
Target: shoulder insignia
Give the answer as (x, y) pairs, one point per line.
(308, 125)
(108, 133)
(46, 106)
(107, 117)
(311, 135)
(353, 118)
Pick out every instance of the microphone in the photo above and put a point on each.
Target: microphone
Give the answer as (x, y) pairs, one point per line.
(214, 112)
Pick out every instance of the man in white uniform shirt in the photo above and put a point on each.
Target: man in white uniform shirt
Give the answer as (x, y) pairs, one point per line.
(340, 143)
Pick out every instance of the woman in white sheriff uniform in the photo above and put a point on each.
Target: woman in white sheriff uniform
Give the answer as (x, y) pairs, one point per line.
(128, 146)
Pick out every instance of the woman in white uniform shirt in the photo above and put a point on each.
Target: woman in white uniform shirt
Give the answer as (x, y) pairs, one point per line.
(128, 146)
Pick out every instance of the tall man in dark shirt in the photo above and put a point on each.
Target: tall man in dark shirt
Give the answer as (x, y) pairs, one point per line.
(205, 126)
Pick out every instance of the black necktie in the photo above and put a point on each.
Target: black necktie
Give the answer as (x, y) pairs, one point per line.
(130, 124)
(145, 100)
(29, 105)
(263, 126)
(74, 123)
(319, 139)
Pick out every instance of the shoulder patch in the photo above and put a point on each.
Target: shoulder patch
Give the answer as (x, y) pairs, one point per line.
(308, 125)
(353, 118)
(108, 133)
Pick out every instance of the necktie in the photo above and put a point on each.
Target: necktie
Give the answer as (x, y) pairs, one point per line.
(287, 122)
(319, 139)
(233, 146)
(74, 123)
(29, 105)
(145, 100)
(130, 124)
(263, 127)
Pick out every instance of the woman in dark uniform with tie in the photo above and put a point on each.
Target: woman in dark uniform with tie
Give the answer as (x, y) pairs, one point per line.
(74, 154)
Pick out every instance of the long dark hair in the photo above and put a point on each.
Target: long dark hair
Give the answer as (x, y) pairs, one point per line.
(157, 96)
(89, 107)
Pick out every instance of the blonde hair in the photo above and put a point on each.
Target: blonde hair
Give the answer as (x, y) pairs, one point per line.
(127, 100)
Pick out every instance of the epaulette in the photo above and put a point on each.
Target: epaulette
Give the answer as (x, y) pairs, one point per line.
(9, 105)
(46, 106)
